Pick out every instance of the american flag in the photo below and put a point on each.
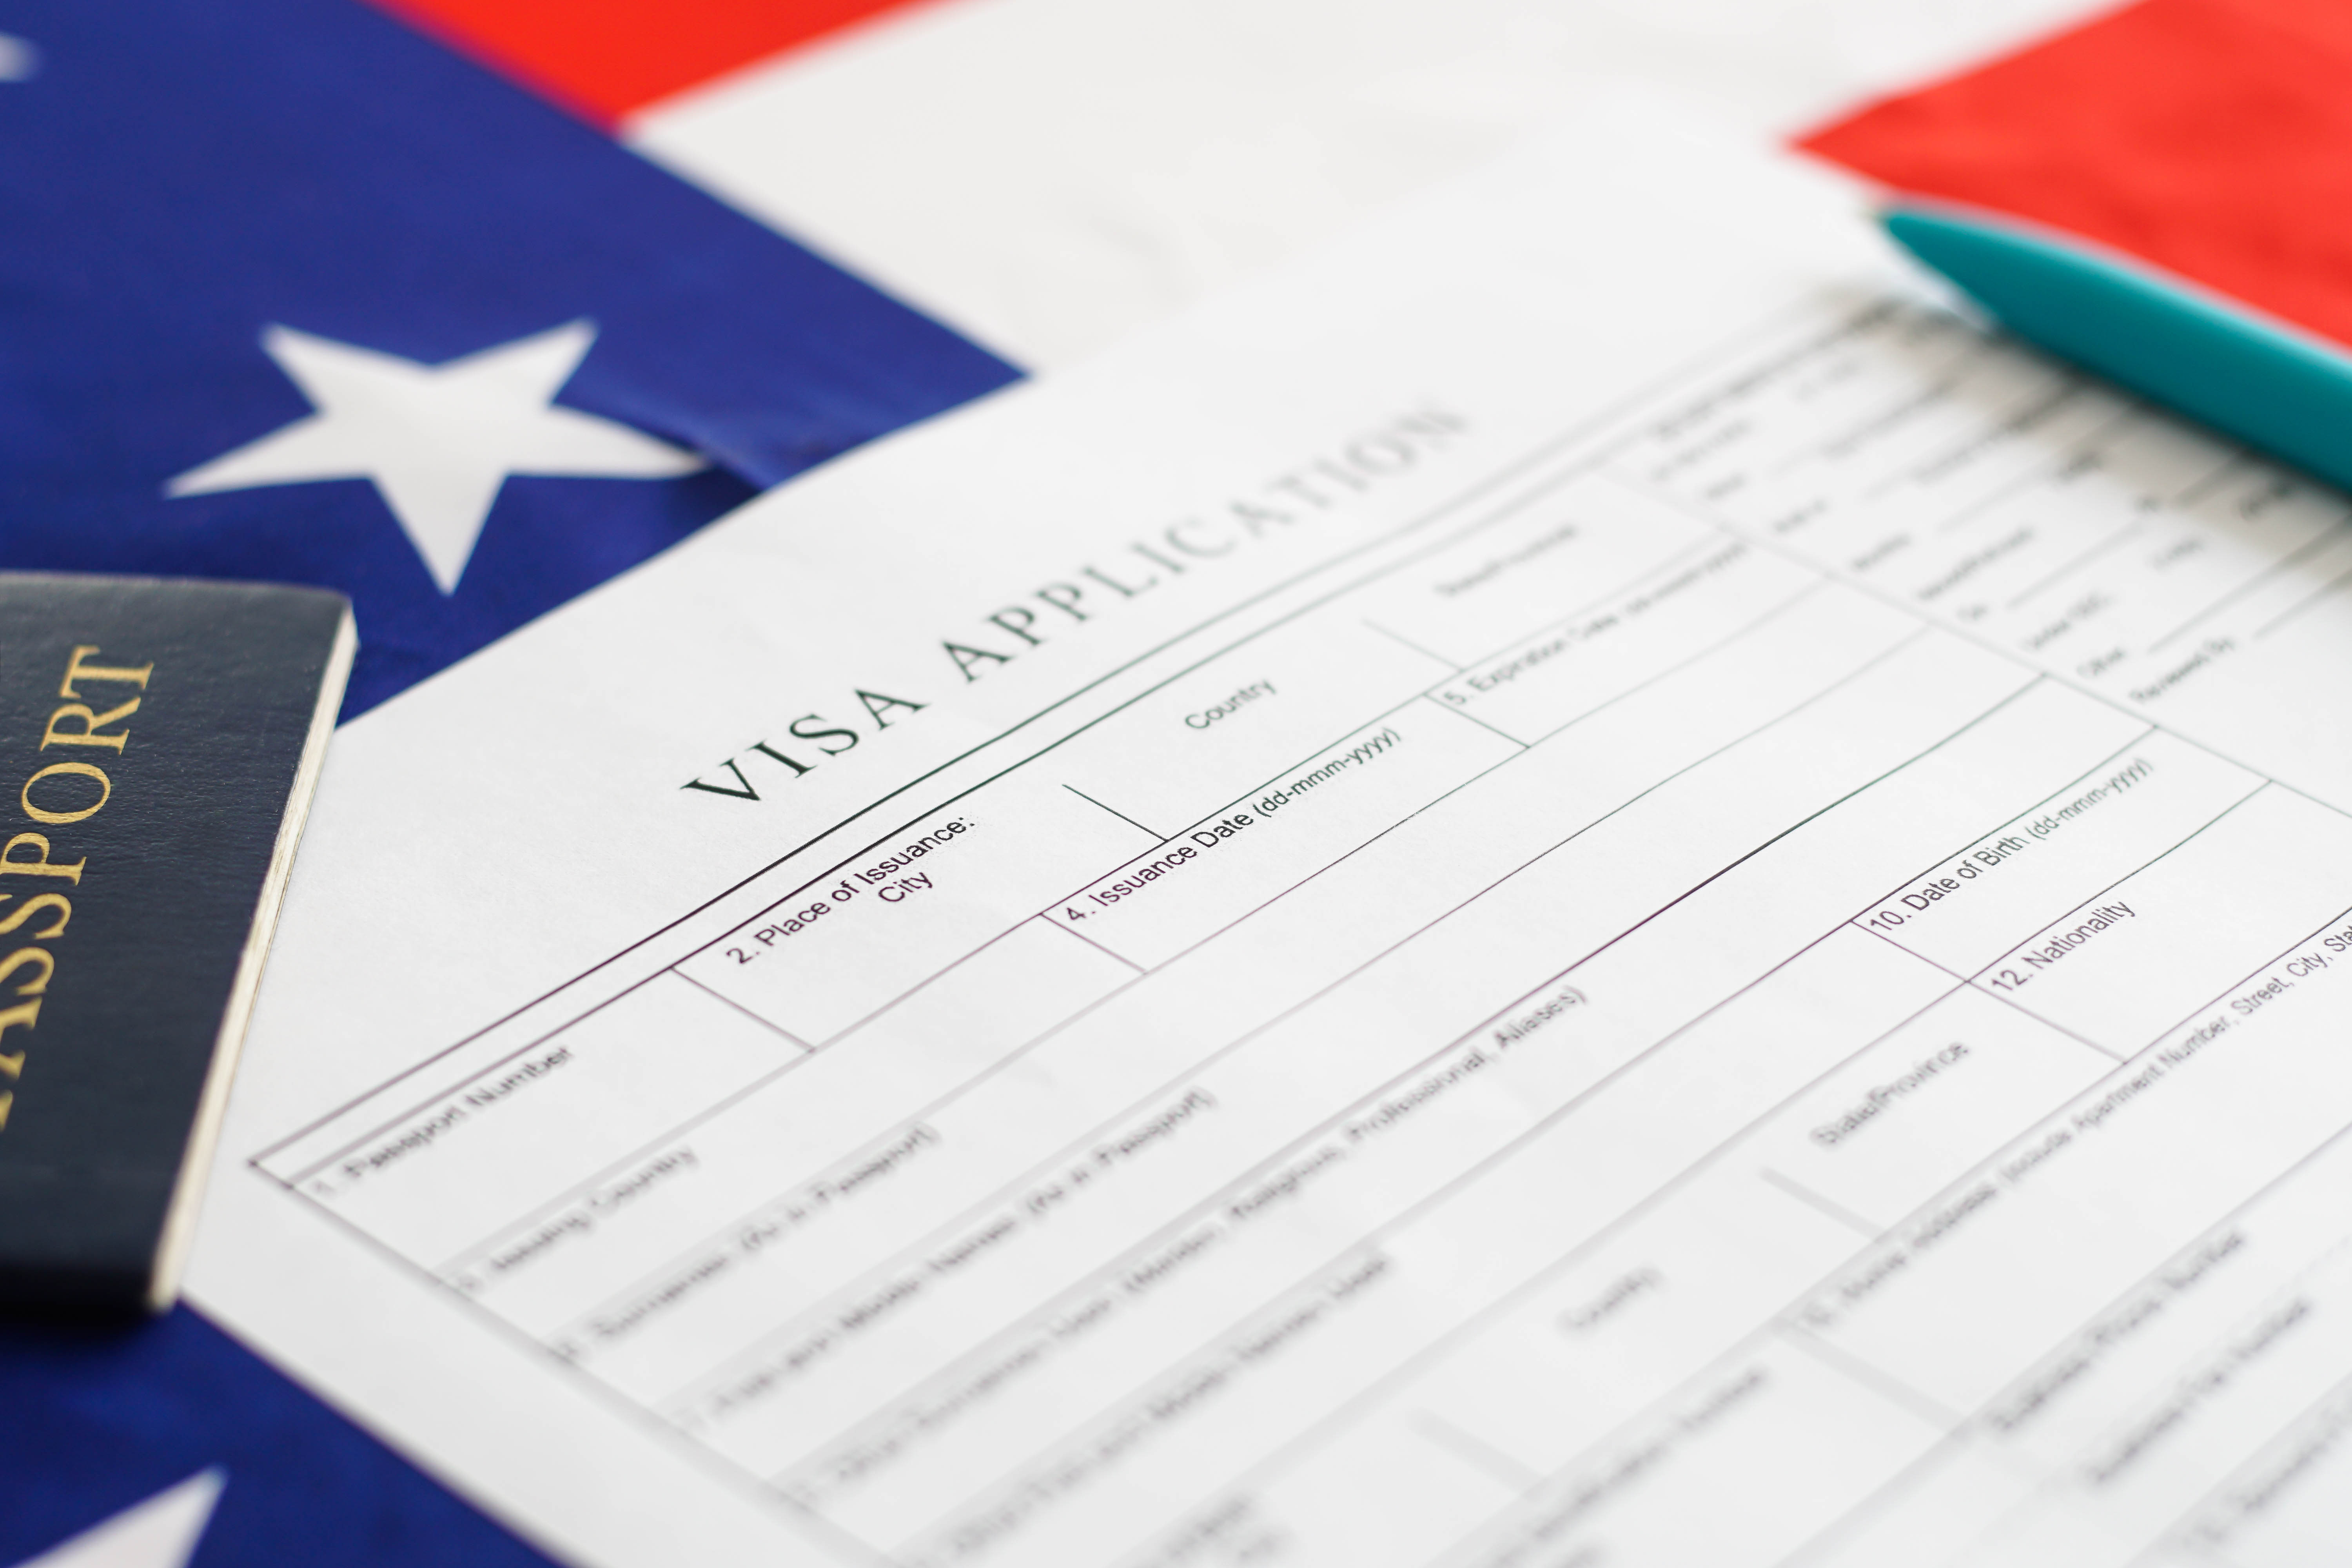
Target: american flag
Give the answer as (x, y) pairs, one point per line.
(465, 306)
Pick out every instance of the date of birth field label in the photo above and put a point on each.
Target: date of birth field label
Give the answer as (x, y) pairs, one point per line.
(2065, 852)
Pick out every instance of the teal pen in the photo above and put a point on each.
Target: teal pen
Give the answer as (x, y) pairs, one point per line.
(2269, 384)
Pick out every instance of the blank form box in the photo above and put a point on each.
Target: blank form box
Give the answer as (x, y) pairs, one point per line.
(773, 1163)
(919, 900)
(1881, 1134)
(1327, 806)
(1578, 545)
(431, 1178)
(2122, 969)
(1739, 1467)
(2145, 794)
(1195, 747)
(1661, 621)
(857, 1153)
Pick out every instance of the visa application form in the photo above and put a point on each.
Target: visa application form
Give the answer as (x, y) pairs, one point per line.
(1583, 884)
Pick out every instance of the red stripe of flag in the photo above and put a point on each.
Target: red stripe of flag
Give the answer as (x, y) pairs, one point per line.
(2213, 137)
(606, 58)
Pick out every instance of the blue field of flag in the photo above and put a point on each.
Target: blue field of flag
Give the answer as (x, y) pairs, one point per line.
(292, 293)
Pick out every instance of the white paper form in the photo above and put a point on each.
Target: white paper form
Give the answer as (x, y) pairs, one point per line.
(1580, 887)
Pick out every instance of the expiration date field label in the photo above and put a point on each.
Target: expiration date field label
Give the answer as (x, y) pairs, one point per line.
(1565, 671)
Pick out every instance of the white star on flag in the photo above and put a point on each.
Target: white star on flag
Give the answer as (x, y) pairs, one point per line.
(437, 440)
(161, 1532)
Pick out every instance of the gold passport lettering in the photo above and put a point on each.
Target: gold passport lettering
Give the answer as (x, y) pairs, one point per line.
(59, 818)
(57, 902)
(28, 854)
(77, 671)
(19, 959)
(91, 723)
(23, 1013)
(11, 865)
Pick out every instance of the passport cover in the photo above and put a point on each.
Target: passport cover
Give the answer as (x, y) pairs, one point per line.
(158, 742)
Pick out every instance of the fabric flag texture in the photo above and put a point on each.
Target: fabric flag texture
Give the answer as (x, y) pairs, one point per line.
(2213, 137)
(289, 291)
(101, 1421)
(608, 58)
(1049, 175)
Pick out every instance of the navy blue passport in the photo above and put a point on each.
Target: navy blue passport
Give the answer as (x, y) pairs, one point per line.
(158, 742)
